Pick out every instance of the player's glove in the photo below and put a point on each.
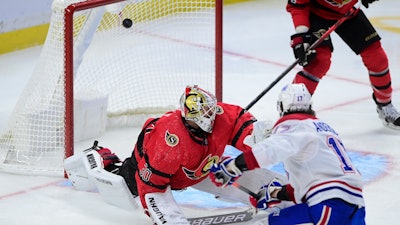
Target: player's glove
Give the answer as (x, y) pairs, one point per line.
(265, 201)
(225, 172)
(367, 2)
(300, 42)
(261, 130)
(108, 157)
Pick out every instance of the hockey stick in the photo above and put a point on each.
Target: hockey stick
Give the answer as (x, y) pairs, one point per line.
(349, 14)
(246, 190)
(235, 217)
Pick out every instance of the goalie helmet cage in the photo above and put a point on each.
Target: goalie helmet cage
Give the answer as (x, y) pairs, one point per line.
(91, 59)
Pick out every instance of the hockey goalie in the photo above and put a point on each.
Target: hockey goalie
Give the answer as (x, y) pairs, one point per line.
(173, 152)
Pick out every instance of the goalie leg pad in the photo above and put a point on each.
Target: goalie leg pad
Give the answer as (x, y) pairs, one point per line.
(86, 173)
(111, 187)
(163, 209)
(77, 173)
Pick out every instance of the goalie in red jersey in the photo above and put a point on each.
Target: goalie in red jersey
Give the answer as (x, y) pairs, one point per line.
(173, 152)
(311, 18)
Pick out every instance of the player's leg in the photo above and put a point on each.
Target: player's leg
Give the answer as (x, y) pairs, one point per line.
(363, 39)
(337, 211)
(329, 212)
(319, 66)
(296, 214)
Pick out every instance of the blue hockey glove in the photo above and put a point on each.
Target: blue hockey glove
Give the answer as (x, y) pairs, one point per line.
(225, 172)
(265, 200)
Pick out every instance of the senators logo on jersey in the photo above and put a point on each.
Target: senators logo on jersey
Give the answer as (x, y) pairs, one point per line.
(171, 139)
(319, 34)
(203, 169)
(338, 3)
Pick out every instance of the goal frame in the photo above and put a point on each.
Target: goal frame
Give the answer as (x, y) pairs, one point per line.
(69, 65)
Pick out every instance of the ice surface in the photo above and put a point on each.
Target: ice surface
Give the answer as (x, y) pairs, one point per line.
(256, 51)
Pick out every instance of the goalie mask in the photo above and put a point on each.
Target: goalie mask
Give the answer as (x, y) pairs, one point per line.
(199, 106)
(294, 98)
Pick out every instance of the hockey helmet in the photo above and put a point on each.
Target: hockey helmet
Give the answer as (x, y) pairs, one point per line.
(199, 106)
(294, 98)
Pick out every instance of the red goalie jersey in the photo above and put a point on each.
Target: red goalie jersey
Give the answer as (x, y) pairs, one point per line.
(169, 152)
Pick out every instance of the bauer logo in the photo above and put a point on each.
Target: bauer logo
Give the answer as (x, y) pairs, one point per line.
(223, 219)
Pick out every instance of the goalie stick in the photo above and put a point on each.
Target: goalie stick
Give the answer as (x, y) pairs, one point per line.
(346, 16)
(228, 218)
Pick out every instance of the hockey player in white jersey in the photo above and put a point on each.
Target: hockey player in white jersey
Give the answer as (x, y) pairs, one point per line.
(323, 182)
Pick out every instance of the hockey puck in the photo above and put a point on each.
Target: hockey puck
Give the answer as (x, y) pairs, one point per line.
(127, 23)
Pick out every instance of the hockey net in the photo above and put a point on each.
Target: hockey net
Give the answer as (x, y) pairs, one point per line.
(94, 73)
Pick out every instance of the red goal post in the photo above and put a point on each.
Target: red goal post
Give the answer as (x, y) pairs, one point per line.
(95, 73)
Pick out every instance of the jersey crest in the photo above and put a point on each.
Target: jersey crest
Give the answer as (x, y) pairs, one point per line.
(219, 110)
(171, 139)
(203, 169)
(338, 3)
(319, 34)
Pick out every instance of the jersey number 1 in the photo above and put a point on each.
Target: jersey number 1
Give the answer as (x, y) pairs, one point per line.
(337, 146)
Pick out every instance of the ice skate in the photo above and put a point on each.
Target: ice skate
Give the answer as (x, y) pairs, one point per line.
(389, 115)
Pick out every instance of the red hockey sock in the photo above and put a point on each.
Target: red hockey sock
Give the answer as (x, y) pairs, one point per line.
(317, 68)
(376, 61)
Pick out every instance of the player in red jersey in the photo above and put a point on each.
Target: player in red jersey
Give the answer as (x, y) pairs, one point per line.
(178, 148)
(172, 152)
(311, 18)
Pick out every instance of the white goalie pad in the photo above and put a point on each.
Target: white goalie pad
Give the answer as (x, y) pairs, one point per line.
(86, 172)
(163, 209)
(113, 189)
(77, 173)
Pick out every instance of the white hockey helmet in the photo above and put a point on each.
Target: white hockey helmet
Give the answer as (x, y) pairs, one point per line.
(199, 106)
(294, 98)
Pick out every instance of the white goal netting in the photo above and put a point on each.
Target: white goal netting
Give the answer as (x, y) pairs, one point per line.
(120, 74)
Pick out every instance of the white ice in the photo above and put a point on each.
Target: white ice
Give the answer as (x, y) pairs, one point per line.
(256, 51)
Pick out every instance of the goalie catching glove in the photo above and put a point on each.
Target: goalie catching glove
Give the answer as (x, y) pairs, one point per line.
(225, 172)
(300, 43)
(265, 199)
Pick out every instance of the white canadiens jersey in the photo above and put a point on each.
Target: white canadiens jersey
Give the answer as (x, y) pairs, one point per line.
(314, 158)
